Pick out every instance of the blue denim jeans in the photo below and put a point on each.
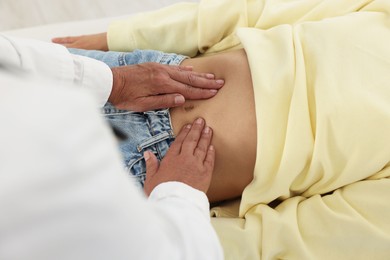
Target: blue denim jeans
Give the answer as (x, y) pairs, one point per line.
(115, 59)
(150, 130)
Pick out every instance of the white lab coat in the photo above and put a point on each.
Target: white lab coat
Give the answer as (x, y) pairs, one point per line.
(63, 192)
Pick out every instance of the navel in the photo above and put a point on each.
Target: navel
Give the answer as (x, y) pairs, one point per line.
(189, 107)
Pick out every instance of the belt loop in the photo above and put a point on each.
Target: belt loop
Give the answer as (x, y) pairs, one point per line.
(154, 140)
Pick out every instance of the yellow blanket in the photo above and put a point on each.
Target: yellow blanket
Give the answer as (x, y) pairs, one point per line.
(321, 74)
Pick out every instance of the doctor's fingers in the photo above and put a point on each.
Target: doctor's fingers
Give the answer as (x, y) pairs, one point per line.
(177, 144)
(204, 143)
(190, 143)
(192, 84)
(188, 138)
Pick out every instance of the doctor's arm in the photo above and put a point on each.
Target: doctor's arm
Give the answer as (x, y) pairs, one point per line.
(138, 87)
(71, 198)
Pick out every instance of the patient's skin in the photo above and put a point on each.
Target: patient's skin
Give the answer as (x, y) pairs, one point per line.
(231, 115)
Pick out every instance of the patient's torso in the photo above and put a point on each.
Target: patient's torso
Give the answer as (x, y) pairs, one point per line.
(231, 115)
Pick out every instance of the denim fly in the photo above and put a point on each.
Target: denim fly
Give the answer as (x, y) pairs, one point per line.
(148, 131)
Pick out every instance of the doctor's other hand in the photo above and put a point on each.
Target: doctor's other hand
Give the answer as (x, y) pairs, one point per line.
(88, 42)
(189, 160)
(150, 86)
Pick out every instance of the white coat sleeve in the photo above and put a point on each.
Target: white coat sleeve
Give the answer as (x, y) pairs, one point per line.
(65, 195)
(53, 61)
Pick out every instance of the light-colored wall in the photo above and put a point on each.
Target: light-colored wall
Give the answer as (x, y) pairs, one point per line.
(16, 14)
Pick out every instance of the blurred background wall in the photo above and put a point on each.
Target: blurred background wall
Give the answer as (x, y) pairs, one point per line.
(15, 14)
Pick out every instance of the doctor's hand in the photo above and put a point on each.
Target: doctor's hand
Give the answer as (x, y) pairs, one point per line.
(150, 86)
(88, 42)
(189, 160)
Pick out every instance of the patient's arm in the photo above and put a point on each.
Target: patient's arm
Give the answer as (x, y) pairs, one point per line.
(88, 42)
